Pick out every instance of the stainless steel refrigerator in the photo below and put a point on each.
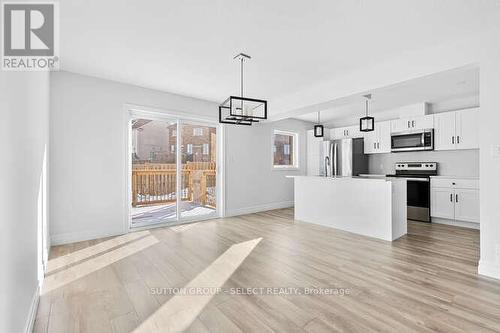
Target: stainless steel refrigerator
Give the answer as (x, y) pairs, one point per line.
(343, 158)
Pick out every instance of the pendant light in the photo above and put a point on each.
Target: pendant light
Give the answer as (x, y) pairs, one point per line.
(367, 124)
(318, 129)
(240, 110)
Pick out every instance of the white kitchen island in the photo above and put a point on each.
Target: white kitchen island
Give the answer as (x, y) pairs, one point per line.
(374, 207)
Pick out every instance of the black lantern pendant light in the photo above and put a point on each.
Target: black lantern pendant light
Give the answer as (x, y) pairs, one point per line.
(318, 129)
(242, 110)
(367, 124)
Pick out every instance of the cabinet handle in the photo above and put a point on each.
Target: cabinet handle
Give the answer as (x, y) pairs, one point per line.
(408, 124)
(458, 138)
(378, 145)
(413, 123)
(453, 140)
(451, 197)
(374, 145)
(456, 197)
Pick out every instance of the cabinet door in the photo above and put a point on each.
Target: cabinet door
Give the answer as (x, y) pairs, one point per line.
(354, 132)
(370, 142)
(400, 125)
(442, 203)
(338, 133)
(384, 136)
(444, 131)
(467, 130)
(467, 205)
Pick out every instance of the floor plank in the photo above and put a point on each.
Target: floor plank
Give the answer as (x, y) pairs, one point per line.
(424, 282)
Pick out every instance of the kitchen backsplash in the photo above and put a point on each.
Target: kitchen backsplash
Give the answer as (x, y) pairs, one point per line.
(464, 163)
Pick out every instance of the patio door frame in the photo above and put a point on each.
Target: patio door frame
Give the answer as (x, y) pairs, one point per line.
(137, 111)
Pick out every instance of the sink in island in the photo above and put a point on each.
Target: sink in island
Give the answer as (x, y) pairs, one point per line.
(369, 206)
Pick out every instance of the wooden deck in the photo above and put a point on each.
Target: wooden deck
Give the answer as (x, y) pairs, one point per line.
(424, 282)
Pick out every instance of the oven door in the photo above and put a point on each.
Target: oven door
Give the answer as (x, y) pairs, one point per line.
(418, 199)
(412, 141)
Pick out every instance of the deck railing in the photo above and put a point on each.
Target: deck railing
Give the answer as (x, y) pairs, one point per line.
(155, 183)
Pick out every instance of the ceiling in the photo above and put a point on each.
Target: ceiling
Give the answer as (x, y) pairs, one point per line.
(460, 83)
(187, 47)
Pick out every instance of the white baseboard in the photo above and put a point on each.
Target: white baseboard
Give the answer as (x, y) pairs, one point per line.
(73, 237)
(30, 321)
(258, 208)
(470, 225)
(489, 269)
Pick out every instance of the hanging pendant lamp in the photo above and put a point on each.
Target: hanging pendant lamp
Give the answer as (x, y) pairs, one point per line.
(240, 110)
(367, 124)
(318, 129)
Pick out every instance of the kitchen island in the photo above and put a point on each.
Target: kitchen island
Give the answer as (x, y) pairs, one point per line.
(374, 207)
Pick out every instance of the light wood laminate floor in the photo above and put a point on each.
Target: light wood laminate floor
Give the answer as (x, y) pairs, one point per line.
(424, 282)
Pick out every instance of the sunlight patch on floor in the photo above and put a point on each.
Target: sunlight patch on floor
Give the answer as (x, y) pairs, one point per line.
(78, 271)
(74, 257)
(180, 311)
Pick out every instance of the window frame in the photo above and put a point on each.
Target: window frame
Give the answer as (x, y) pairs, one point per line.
(294, 150)
(197, 130)
(203, 149)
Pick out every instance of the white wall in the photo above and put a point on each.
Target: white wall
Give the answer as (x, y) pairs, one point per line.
(251, 183)
(87, 138)
(489, 118)
(24, 109)
(462, 163)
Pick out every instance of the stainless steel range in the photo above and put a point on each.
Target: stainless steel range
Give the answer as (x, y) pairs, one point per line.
(417, 175)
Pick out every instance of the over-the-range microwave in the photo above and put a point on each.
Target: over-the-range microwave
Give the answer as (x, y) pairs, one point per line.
(414, 140)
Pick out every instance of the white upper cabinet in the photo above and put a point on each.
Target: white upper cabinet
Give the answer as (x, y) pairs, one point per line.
(412, 124)
(370, 142)
(456, 130)
(379, 140)
(444, 131)
(346, 132)
(384, 134)
(467, 129)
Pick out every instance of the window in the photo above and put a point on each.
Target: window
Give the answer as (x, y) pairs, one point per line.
(285, 150)
(189, 148)
(206, 149)
(197, 131)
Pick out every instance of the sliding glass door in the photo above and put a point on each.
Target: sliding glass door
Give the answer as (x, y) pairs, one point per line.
(173, 171)
(198, 170)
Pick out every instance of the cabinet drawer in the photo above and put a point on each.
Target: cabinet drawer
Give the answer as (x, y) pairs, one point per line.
(455, 183)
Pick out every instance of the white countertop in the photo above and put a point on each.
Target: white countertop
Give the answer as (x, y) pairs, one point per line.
(456, 177)
(377, 178)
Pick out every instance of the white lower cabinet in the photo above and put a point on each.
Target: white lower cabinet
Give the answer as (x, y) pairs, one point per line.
(442, 203)
(467, 205)
(455, 199)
